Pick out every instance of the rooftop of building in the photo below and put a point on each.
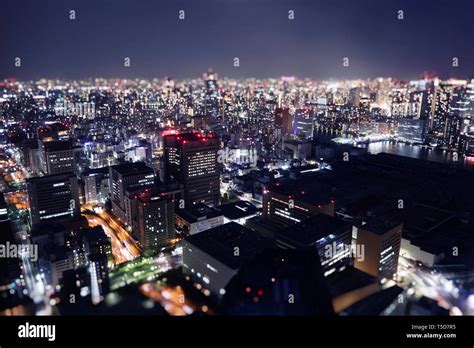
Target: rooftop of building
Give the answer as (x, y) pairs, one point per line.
(313, 229)
(220, 242)
(58, 145)
(132, 168)
(189, 136)
(94, 234)
(259, 223)
(421, 219)
(51, 178)
(96, 171)
(308, 190)
(238, 210)
(198, 212)
(380, 226)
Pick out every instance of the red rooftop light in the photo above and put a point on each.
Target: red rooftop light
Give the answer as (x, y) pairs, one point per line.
(169, 132)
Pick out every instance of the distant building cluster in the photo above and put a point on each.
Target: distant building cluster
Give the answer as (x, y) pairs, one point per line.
(222, 196)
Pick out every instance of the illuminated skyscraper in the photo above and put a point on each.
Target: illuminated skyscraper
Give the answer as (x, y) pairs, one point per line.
(211, 103)
(58, 157)
(381, 241)
(439, 107)
(283, 119)
(191, 159)
(128, 177)
(53, 197)
(153, 220)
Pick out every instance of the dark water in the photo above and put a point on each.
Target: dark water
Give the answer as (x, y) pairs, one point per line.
(417, 151)
(402, 149)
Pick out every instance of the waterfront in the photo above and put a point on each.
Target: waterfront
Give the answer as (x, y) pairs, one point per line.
(416, 151)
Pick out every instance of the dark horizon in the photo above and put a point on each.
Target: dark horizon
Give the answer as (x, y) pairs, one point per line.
(259, 33)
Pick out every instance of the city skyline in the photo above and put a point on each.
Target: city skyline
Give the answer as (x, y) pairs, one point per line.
(233, 159)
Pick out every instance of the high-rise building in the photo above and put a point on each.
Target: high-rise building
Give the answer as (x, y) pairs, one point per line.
(399, 103)
(153, 220)
(32, 155)
(213, 257)
(439, 108)
(453, 131)
(332, 238)
(283, 120)
(191, 159)
(286, 204)
(58, 157)
(53, 197)
(211, 101)
(264, 285)
(128, 177)
(198, 218)
(381, 241)
(411, 130)
(96, 185)
(303, 125)
(55, 157)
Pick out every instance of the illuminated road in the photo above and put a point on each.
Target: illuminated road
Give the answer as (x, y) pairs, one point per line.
(145, 269)
(434, 285)
(172, 299)
(124, 247)
(35, 286)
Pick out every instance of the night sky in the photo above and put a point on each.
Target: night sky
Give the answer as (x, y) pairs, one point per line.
(215, 31)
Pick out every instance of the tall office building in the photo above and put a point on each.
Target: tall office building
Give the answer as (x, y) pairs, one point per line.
(153, 220)
(128, 177)
(381, 241)
(287, 203)
(399, 103)
(191, 159)
(439, 108)
(55, 148)
(58, 157)
(31, 155)
(96, 185)
(283, 119)
(411, 129)
(53, 197)
(331, 237)
(303, 125)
